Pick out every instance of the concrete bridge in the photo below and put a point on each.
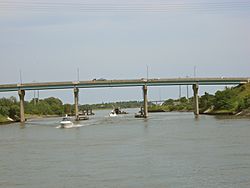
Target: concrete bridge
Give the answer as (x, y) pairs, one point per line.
(144, 83)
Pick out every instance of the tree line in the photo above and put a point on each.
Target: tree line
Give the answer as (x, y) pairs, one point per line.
(231, 100)
(125, 104)
(10, 107)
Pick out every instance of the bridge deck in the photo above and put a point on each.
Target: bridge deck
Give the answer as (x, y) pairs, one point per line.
(123, 83)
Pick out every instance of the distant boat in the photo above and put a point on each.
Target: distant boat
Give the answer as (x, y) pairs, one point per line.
(112, 113)
(118, 111)
(140, 114)
(66, 122)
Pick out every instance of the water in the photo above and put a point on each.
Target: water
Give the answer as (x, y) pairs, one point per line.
(167, 150)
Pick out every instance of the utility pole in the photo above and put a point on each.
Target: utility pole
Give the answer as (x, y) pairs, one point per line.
(34, 99)
(179, 91)
(187, 91)
(37, 96)
(195, 71)
(20, 74)
(147, 72)
(160, 94)
(78, 74)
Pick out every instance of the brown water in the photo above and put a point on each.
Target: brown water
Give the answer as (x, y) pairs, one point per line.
(167, 150)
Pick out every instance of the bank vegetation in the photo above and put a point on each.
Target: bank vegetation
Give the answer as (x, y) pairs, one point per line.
(230, 101)
(10, 108)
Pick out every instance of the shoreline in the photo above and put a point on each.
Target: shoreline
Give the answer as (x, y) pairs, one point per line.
(242, 114)
(27, 117)
(232, 114)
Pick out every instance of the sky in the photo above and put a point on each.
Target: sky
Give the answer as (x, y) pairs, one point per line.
(48, 40)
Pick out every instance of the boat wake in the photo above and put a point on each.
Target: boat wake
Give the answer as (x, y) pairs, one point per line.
(70, 126)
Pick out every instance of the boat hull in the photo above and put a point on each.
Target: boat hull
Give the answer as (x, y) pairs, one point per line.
(65, 124)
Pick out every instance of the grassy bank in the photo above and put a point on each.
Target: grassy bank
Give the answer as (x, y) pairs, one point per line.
(230, 101)
(4, 120)
(179, 105)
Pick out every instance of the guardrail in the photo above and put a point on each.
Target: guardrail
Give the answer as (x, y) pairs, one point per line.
(124, 83)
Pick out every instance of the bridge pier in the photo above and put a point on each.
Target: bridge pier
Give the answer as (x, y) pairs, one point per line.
(76, 100)
(21, 94)
(196, 99)
(145, 101)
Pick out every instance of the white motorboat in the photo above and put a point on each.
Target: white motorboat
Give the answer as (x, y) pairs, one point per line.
(112, 114)
(66, 122)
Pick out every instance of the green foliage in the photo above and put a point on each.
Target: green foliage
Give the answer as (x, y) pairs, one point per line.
(182, 104)
(52, 106)
(56, 105)
(126, 104)
(156, 108)
(224, 100)
(206, 101)
(9, 107)
(169, 102)
(48, 106)
(244, 103)
(68, 108)
(230, 100)
(14, 111)
(3, 118)
(183, 100)
(247, 101)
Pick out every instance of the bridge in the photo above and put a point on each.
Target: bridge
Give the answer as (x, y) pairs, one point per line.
(144, 83)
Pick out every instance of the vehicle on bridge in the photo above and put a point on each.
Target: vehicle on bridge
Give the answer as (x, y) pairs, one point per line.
(99, 79)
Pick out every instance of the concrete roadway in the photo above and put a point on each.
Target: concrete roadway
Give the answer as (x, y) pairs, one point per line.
(124, 83)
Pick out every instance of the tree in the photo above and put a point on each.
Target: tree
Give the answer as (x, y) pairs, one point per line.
(67, 108)
(224, 100)
(169, 102)
(206, 101)
(14, 111)
(244, 104)
(183, 100)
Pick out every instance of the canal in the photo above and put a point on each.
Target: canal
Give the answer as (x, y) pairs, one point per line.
(166, 150)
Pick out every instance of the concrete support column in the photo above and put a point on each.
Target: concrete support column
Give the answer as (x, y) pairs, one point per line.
(21, 94)
(145, 101)
(76, 100)
(196, 99)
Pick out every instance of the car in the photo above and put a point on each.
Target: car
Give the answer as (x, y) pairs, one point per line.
(101, 79)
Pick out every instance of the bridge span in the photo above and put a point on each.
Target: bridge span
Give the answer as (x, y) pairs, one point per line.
(144, 83)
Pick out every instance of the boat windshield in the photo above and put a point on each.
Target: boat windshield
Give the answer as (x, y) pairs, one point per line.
(66, 119)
